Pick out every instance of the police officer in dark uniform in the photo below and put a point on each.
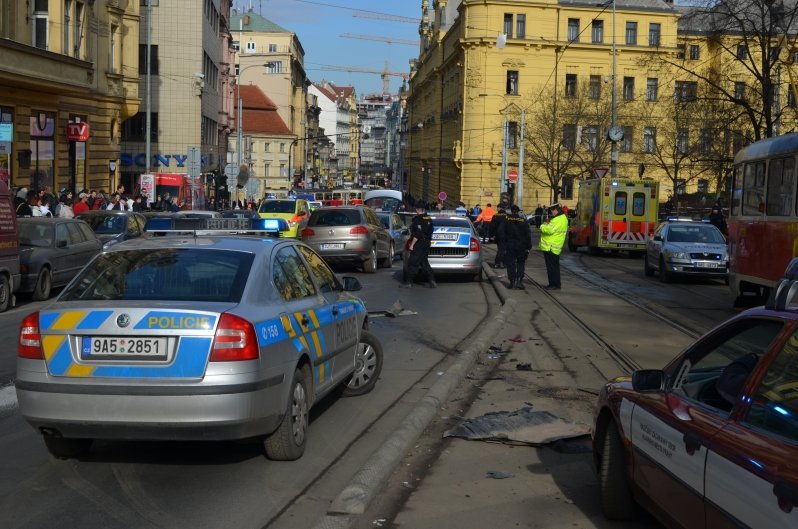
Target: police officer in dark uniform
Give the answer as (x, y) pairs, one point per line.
(420, 240)
(498, 236)
(518, 242)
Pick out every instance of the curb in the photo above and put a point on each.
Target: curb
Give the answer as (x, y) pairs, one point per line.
(364, 485)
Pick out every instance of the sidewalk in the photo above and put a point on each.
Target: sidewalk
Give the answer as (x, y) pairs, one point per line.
(446, 483)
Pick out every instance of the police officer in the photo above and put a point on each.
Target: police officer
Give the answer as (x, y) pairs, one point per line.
(420, 240)
(518, 241)
(552, 239)
(498, 235)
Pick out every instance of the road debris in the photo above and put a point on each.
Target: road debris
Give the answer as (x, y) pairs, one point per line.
(498, 474)
(524, 426)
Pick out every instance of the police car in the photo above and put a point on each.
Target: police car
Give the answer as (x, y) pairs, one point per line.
(683, 247)
(455, 247)
(205, 336)
(711, 440)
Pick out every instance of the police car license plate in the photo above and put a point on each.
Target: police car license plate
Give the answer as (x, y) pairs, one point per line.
(332, 246)
(444, 236)
(93, 347)
(706, 265)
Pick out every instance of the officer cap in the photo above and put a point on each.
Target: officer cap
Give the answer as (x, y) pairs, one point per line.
(514, 208)
(554, 206)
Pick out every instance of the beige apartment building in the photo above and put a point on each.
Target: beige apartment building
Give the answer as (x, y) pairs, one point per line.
(272, 58)
(68, 79)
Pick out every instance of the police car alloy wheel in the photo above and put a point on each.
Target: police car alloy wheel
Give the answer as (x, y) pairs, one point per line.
(288, 442)
(368, 365)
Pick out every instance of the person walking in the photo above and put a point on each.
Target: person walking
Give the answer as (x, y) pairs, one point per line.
(717, 219)
(552, 239)
(420, 240)
(498, 234)
(517, 237)
(483, 222)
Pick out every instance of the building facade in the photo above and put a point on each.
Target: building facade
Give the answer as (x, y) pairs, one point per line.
(68, 79)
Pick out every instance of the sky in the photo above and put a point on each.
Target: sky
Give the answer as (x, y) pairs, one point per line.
(319, 25)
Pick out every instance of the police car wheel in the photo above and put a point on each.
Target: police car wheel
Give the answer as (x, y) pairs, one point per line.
(368, 365)
(5, 293)
(287, 443)
(63, 448)
(664, 274)
(617, 502)
(648, 270)
(43, 285)
(370, 264)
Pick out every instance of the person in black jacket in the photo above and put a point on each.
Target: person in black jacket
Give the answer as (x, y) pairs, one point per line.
(420, 240)
(518, 242)
(496, 231)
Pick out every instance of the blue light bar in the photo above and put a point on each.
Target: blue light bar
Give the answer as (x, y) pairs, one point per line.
(270, 224)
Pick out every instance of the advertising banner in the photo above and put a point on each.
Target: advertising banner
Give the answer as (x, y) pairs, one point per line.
(148, 187)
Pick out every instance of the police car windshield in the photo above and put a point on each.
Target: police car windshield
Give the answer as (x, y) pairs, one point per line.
(695, 234)
(277, 206)
(172, 274)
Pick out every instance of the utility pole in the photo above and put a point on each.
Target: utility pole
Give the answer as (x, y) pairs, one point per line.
(232, 181)
(614, 143)
(148, 125)
(519, 188)
(503, 184)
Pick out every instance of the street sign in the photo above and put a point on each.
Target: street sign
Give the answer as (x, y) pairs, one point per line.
(512, 175)
(600, 172)
(442, 195)
(194, 161)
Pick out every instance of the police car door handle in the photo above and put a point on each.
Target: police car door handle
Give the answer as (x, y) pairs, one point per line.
(335, 311)
(692, 442)
(305, 321)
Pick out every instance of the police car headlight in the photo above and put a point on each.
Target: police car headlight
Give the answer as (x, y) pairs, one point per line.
(678, 255)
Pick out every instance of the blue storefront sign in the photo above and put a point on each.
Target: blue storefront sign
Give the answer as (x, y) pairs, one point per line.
(139, 159)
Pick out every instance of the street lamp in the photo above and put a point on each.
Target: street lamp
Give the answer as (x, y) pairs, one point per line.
(615, 132)
(233, 185)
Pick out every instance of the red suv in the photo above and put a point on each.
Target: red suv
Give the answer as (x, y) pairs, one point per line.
(711, 440)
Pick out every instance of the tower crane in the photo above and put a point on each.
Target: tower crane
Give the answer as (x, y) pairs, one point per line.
(387, 40)
(385, 16)
(385, 74)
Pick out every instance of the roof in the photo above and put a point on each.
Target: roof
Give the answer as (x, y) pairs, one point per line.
(726, 18)
(642, 5)
(328, 93)
(260, 113)
(254, 23)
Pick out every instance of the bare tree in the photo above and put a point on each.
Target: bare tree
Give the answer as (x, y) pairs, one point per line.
(747, 39)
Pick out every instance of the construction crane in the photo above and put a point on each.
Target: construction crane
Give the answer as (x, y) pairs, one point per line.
(387, 40)
(385, 74)
(385, 16)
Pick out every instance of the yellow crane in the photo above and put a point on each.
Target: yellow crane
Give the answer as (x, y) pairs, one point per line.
(387, 40)
(385, 74)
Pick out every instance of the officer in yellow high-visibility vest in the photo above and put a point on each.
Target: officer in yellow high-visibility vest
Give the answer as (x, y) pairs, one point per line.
(552, 239)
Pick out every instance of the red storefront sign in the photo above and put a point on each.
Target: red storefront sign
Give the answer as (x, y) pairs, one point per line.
(77, 131)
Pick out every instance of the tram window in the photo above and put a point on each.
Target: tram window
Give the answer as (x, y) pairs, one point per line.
(781, 187)
(639, 204)
(620, 203)
(753, 188)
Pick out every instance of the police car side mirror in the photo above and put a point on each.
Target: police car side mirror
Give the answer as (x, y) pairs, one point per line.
(648, 380)
(658, 237)
(351, 284)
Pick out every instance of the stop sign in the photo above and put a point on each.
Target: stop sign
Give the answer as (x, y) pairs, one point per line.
(512, 175)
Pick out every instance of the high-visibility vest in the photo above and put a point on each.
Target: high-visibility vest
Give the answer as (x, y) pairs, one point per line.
(552, 235)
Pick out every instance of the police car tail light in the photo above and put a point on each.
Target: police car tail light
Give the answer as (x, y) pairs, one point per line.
(307, 232)
(234, 340)
(359, 230)
(30, 339)
(474, 246)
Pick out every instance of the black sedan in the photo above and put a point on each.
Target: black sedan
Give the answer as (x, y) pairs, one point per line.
(52, 252)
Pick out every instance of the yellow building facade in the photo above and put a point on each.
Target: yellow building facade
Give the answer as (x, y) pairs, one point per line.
(66, 62)
(550, 65)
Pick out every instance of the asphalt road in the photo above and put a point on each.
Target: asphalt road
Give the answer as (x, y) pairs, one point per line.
(203, 484)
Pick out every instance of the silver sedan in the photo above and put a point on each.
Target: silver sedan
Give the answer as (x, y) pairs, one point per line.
(687, 248)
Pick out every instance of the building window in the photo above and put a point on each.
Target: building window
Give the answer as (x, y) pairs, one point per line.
(685, 91)
(590, 137)
(649, 139)
(568, 137)
(595, 86)
(573, 30)
(508, 25)
(570, 85)
(274, 66)
(739, 91)
(77, 40)
(695, 52)
(738, 140)
(267, 147)
(512, 135)
(67, 24)
(705, 141)
(742, 52)
(112, 64)
(520, 26)
(442, 16)
(6, 116)
(512, 82)
(653, 35)
(272, 48)
(703, 186)
(267, 170)
(598, 31)
(283, 171)
(680, 51)
(682, 141)
(135, 128)
(282, 147)
(628, 88)
(153, 59)
(40, 19)
(790, 97)
(567, 188)
(652, 87)
(42, 148)
(626, 143)
(631, 33)
(250, 46)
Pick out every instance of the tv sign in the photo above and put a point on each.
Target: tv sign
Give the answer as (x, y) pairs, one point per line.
(77, 131)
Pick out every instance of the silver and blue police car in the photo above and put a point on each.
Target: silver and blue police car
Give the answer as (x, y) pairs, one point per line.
(188, 337)
(455, 247)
